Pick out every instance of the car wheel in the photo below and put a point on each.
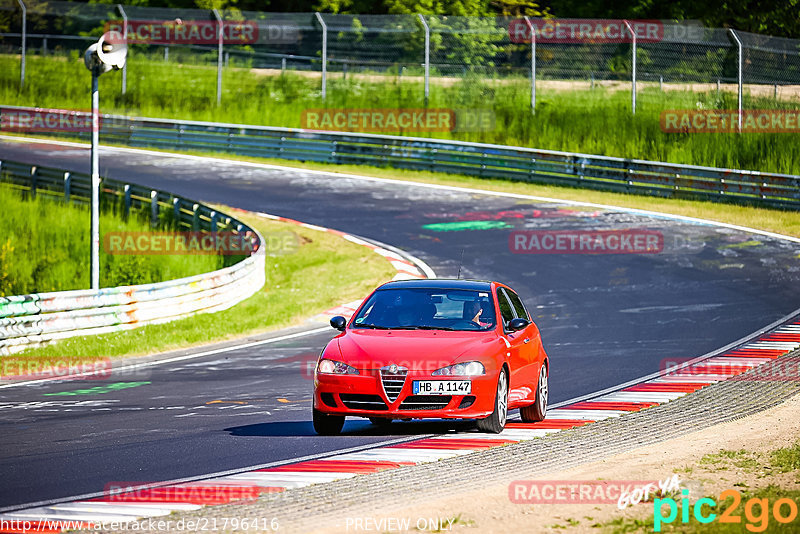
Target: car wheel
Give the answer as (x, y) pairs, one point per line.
(537, 411)
(496, 422)
(380, 421)
(327, 425)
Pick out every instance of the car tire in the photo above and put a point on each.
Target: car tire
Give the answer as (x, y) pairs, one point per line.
(495, 423)
(327, 425)
(538, 410)
(380, 421)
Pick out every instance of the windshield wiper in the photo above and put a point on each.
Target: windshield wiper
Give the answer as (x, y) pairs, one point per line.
(427, 327)
(373, 326)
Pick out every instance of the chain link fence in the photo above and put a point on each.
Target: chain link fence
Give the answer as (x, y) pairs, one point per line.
(421, 54)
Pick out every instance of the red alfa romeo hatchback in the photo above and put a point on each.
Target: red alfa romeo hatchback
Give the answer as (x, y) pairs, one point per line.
(455, 349)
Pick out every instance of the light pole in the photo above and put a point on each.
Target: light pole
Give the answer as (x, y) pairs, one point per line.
(106, 54)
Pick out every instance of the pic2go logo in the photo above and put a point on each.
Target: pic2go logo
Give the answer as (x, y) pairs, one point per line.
(756, 511)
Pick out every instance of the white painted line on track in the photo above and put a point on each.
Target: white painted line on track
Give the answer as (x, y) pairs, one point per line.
(278, 478)
(640, 396)
(773, 345)
(403, 455)
(692, 379)
(514, 434)
(142, 507)
(591, 415)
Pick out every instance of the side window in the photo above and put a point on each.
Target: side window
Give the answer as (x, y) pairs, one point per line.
(505, 307)
(518, 306)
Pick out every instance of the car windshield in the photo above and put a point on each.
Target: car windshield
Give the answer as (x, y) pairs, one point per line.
(427, 308)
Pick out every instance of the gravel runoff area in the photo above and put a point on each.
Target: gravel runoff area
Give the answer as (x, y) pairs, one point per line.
(328, 505)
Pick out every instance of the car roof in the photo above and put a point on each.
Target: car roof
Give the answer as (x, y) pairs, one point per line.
(439, 283)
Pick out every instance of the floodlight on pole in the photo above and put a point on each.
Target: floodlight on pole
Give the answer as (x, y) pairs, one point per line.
(109, 53)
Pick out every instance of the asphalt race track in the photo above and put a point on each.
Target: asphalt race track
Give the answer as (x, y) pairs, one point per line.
(605, 319)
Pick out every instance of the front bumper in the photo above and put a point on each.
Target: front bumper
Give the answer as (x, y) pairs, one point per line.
(364, 395)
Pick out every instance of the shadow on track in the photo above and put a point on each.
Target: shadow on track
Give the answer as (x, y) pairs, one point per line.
(352, 427)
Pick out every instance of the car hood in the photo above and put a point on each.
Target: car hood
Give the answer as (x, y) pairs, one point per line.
(420, 350)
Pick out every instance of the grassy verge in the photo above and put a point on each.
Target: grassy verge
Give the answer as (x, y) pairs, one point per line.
(594, 121)
(45, 247)
(325, 271)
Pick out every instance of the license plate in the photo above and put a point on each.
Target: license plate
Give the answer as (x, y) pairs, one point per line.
(442, 387)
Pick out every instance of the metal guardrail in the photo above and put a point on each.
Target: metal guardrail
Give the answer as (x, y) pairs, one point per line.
(41, 318)
(482, 160)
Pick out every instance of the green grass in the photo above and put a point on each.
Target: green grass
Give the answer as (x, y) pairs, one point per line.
(592, 121)
(323, 272)
(44, 247)
(743, 459)
(786, 459)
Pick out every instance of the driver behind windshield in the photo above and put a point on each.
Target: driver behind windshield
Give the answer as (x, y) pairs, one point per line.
(478, 312)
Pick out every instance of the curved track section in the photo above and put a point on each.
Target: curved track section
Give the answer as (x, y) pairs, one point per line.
(606, 319)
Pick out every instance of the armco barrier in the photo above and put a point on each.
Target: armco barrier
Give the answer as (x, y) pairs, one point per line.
(482, 160)
(31, 320)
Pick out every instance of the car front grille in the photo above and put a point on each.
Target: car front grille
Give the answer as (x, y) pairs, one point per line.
(425, 402)
(363, 402)
(393, 379)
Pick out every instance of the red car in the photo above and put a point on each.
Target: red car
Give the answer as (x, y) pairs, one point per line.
(455, 349)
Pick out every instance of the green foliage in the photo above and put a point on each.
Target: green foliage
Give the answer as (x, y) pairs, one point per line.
(45, 247)
(591, 121)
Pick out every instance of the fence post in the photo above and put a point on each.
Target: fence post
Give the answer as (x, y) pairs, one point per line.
(34, 175)
(324, 55)
(126, 200)
(533, 64)
(153, 209)
(195, 217)
(739, 64)
(219, 55)
(633, 67)
(427, 57)
(24, 44)
(67, 186)
(176, 211)
(125, 37)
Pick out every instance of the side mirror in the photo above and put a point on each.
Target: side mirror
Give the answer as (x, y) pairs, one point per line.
(339, 323)
(518, 324)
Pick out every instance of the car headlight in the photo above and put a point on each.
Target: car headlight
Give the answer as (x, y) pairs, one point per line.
(332, 367)
(461, 369)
